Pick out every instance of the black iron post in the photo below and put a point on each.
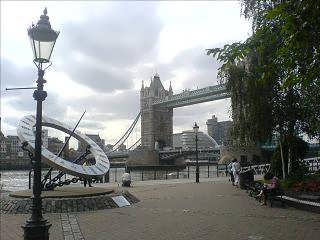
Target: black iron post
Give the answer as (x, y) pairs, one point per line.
(197, 162)
(37, 228)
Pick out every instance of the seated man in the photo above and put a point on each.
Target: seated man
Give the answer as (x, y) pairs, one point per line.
(267, 189)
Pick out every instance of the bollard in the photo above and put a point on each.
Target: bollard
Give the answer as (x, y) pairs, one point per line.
(30, 178)
(188, 172)
(208, 171)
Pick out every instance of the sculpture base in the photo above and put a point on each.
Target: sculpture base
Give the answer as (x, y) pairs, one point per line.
(65, 192)
(66, 199)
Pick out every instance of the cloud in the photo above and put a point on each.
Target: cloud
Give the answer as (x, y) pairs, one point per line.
(100, 51)
(13, 75)
(107, 50)
(104, 107)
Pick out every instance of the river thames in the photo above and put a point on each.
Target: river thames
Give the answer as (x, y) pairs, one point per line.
(14, 180)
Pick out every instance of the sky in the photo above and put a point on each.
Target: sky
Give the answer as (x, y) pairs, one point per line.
(104, 51)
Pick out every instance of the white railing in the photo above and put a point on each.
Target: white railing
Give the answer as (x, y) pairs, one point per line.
(195, 93)
(258, 169)
(313, 163)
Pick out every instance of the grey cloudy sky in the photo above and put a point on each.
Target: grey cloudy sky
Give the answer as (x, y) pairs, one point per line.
(105, 49)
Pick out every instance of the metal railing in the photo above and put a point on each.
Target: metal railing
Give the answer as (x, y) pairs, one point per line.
(206, 171)
(313, 163)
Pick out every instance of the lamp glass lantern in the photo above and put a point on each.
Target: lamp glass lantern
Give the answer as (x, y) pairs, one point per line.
(42, 39)
(195, 128)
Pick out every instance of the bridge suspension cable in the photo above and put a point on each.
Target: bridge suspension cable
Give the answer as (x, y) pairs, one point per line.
(126, 134)
(136, 144)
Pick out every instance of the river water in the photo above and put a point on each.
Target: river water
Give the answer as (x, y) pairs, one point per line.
(15, 180)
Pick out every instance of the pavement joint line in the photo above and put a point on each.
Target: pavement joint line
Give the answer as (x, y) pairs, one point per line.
(70, 227)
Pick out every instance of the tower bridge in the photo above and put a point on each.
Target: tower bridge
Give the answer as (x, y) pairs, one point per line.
(156, 108)
(188, 97)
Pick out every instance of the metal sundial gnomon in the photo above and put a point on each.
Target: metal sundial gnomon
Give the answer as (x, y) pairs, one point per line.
(26, 133)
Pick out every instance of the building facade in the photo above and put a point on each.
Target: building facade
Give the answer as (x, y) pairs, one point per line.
(94, 137)
(55, 145)
(11, 154)
(187, 141)
(219, 131)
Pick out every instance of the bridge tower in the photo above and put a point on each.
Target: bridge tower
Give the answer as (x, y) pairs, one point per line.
(156, 121)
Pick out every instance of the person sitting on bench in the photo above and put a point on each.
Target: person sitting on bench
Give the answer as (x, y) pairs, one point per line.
(267, 189)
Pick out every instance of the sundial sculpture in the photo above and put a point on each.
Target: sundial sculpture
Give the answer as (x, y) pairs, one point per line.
(75, 168)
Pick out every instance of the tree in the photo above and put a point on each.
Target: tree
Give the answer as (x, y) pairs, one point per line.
(273, 76)
(298, 22)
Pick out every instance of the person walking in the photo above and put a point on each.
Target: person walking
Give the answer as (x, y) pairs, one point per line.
(229, 169)
(87, 179)
(236, 171)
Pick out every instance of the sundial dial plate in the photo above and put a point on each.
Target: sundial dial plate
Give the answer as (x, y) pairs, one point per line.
(26, 132)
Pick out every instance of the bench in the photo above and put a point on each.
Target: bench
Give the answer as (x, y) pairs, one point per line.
(276, 195)
(254, 188)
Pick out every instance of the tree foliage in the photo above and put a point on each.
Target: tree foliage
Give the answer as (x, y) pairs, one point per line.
(274, 76)
(298, 168)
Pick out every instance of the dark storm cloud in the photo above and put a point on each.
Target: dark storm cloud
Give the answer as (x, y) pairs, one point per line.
(110, 43)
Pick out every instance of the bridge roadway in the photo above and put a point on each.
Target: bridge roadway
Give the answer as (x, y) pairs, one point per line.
(188, 97)
(166, 153)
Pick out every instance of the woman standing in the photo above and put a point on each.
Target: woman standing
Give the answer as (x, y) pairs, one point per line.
(236, 171)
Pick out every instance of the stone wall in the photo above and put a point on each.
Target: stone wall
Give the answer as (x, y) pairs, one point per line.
(246, 154)
(143, 157)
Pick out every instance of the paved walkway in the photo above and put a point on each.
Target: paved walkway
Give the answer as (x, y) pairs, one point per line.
(179, 209)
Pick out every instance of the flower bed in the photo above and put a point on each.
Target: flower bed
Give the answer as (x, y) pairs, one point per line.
(309, 186)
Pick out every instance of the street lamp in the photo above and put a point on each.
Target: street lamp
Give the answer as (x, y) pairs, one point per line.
(42, 39)
(196, 129)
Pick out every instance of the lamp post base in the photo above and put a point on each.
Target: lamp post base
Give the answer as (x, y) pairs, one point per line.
(36, 230)
(197, 173)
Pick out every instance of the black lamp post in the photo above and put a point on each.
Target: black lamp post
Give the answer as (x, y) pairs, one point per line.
(42, 39)
(196, 129)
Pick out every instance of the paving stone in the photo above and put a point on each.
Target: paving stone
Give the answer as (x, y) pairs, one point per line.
(68, 237)
(51, 205)
(160, 216)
